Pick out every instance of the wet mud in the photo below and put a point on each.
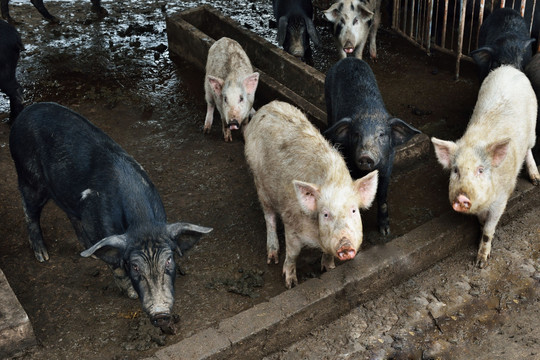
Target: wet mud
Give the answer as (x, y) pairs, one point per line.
(116, 71)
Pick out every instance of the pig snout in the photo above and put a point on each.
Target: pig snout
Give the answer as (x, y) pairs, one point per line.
(365, 163)
(165, 322)
(348, 47)
(346, 251)
(234, 124)
(461, 203)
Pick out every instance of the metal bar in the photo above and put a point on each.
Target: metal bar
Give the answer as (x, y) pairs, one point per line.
(412, 17)
(461, 31)
(445, 23)
(429, 22)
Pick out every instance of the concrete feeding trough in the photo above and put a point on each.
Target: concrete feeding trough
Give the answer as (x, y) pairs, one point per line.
(282, 77)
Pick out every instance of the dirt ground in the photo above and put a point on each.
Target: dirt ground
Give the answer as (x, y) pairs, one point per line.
(116, 71)
(452, 311)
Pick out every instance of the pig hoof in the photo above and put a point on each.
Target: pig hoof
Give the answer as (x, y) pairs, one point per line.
(481, 263)
(535, 181)
(272, 256)
(41, 255)
(291, 282)
(384, 230)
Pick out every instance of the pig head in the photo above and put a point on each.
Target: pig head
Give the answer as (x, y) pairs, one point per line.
(471, 187)
(146, 255)
(353, 21)
(295, 27)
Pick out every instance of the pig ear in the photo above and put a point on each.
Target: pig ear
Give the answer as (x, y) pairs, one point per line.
(282, 30)
(250, 83)
(482, 56)
(445, 151)
(332, 13)
(216, 84)
(312, 32)
(307, 195)
(339, 132)
(497, 151)
(186, 234)
(115, 241)
(366, 188)
(527, 45)
(401, 131)
(365, 12)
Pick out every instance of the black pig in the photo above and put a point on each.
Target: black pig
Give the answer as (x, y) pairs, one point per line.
(10, 48)
(503, 40)
(113, 206)
(365, 132)
(38, 4)
(295, 27)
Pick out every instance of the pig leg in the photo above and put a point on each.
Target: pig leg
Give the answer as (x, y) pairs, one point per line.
(123, 281)
(272, 244)
(491, 220)
(15, 93)
(531, 168)
(382, 206)
(292, 250)
(38, 4)
(373, 35)
(33, 202)
(359, 49)
(210, 106)
(226, 132)
(327, 262)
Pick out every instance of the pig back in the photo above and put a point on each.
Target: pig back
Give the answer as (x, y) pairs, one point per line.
(282, 146)
(506, 108)
(228, 61)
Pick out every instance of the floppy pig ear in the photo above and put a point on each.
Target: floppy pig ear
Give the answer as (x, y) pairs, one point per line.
(115, 241)
(366, 188)
(216, 84)
(312, 32)
(186, 234)
(250, 83)
(282, 30)
(307, 195)
(339, 132)
(332, 13)
(445, 151)
(366, 13)
(497, 151)
(401, 131)
(482, 56)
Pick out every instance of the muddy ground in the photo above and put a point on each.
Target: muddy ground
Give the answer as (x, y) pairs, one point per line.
(116, 71)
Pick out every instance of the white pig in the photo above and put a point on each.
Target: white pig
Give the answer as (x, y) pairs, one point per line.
(486, 161)
(353, 22)
(303, 179)
(229, 85)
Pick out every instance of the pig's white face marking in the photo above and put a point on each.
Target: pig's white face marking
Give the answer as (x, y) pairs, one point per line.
(86, 193)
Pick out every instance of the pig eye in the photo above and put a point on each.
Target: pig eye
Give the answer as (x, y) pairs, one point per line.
(225, 99)
(326, 215)
(480, 170)
(241, 98)
(355, 21)
(135, 267)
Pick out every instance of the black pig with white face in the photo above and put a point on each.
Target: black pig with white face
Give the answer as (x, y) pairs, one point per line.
(360, 126)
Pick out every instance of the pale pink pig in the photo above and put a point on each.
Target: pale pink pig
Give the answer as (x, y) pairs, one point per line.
(486, 161)
(303, 179)
(229, 85)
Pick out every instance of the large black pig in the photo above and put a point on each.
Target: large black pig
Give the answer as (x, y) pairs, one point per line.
(295, 27)
(364, 131)
(38, 4)
(503, 40)
(10, 48)
(113, 206)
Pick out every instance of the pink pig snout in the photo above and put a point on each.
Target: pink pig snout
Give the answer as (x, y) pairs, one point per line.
(346, 251)
(461, 203)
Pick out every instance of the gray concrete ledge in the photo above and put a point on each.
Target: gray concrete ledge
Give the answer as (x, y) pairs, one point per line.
(286, 318)
(16, 333)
